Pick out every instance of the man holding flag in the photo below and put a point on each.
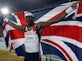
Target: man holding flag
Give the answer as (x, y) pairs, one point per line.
(33, 32)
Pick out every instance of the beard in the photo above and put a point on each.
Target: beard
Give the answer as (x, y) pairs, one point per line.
(31, 23)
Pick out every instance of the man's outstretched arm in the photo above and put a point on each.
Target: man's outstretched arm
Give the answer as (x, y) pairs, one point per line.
(59, 17)
(16, 26)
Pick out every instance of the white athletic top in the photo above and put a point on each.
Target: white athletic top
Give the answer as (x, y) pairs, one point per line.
(32, 41)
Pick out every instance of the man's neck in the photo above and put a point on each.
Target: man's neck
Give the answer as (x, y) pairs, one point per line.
(30, 28)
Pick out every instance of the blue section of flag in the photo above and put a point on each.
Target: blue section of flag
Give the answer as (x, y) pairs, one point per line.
(48, 49)
(7, 40)
(76, 50)
(79, 18)
(12, 18)
(1, 22)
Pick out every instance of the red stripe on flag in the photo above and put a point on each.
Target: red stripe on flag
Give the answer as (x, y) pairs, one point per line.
(5, 23)
(16, 34)
(74, 32)
(79, 11)
(56, 16)
(55, 44)
(22, 18)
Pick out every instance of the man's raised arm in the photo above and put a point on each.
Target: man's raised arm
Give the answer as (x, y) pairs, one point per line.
(59, 17)
(16, 26)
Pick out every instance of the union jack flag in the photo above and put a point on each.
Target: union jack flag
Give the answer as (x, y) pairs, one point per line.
(63, 38)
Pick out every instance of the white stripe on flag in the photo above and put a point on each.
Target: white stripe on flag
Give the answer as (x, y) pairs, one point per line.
(72, 23)
(17, 19)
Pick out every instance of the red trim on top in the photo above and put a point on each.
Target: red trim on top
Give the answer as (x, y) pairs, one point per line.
(34, 28)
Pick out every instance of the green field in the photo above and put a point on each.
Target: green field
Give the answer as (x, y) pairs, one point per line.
(51, 58)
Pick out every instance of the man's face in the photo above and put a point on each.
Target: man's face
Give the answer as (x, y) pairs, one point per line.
(29, 19)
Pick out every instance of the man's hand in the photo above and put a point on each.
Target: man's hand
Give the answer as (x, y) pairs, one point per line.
(74, 6)
(71, 8)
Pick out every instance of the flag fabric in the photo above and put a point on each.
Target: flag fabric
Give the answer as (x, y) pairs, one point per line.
(63, 38)
(14, 34)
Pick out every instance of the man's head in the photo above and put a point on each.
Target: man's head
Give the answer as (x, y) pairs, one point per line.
(29, 17)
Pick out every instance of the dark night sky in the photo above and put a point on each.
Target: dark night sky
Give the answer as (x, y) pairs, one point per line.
(21, 5)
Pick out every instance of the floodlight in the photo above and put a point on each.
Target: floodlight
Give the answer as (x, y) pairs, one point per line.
(5, 10)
